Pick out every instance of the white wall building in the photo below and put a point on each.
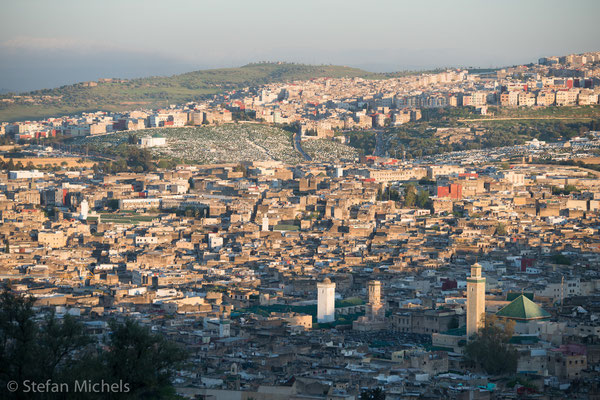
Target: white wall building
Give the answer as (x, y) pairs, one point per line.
(325, 301)
(214, 242)
(25, 174)
(149, 141)
(84, 210)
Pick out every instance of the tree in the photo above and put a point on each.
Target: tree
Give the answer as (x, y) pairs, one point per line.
(500, 229)
(560, 259)
(60, 350)
(454, 323)
(17, 338)
(58, 342)
(490, 348)
(387, 194)
(163, 164)
(410, 195)
(35, 350)
(142, 359)
(372, 394)
(113, 204)
(422, 199)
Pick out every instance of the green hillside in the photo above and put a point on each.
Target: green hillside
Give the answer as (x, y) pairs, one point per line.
(121, 95)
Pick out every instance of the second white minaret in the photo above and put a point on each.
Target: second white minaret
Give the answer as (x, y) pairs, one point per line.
(325, 301)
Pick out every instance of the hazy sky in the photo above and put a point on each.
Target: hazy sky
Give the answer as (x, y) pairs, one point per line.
(50, 43)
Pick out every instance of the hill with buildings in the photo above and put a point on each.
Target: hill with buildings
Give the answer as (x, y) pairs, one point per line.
(158, 91)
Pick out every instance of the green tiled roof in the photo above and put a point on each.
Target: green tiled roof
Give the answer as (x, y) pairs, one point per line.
(462, 331)
(525, 339)
(523, 309)
(510, 296)
(440, 348)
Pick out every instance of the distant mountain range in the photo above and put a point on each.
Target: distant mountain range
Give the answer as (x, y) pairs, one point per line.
(152, 92)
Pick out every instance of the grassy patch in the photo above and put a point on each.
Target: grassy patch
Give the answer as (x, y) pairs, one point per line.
(125, 219)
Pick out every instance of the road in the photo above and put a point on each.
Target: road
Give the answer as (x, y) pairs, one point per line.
(379, 152)
(298, 145)
(524, 118)
(549, 166)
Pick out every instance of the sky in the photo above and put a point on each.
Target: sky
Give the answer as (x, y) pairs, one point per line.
(46, 44)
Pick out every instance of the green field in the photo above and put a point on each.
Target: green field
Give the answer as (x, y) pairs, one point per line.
(464, 114)
(514, 127)
(132, 219)
(574, 112)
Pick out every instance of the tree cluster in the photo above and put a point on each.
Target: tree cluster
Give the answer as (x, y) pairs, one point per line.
(130, 158)
(501, 229)
(372, 394)
(490, 348)
(567, 190)
(38, 349)
(414, 198)
(388, 194)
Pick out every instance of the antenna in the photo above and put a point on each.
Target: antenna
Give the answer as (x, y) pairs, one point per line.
(562, 291)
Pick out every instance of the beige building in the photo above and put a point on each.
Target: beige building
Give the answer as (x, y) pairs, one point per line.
(52, 239)
(526, 99)
(478, 99)
(546, 98)
(566, 97)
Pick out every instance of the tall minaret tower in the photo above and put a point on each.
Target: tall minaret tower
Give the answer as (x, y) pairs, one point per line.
(475, 300)
(325, 301)
(375, 306)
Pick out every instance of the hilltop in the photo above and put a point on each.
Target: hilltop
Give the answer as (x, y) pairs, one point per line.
(151, 92)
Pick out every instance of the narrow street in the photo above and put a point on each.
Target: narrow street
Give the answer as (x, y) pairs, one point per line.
(298, 145)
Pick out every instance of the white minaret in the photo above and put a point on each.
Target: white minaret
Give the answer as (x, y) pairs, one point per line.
(325, 301)
(265, 224)
(85, 208)
(475, 300)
